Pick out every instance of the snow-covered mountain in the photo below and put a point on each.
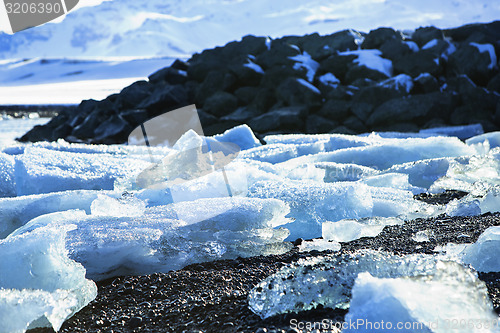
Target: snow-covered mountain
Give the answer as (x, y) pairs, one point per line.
(179, 28)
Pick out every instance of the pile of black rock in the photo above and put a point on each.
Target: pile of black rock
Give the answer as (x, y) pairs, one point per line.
(310, 84)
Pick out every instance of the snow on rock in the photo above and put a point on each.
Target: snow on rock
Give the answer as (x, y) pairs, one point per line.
(348, 229)
(429, 303)
(490, 50)
(328, 280)
(483, 254)
(39, 285)
(253, 66)
(401, 82)
(371, 59)
(329, 79)
(304, 61)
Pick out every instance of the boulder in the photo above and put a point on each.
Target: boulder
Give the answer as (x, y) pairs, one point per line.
(134, 94)
(425, 83)
(494, 83)
(264, 99)
(242, 114)
(297, 91)
(417, 63)
(278, 54)
(337, 64)
(355, 124)
(376, 38)
(316, 124)
(112, 131)
(320, 47)
(422, 36)
(473, 114)
(220, 104)
(394, 48)
(289, 118)
(135, 117)
(470, 61)
(169, 75)
(412, 109)
(335, 110)
(165, 98)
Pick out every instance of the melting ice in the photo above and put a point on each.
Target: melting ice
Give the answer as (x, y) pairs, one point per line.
(338, 187)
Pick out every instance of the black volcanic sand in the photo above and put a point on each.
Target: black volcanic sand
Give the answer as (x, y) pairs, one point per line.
(212, 297)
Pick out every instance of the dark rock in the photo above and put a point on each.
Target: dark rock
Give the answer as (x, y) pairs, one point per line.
(361, 111)
(246, 75)
(245, 95)
(135, 116)
(296, 91)
(357, 71)
(394, 48)
(415, 109)
(264, 99)
(165, 98)
(438, 48)
(273, 77)
(132, 95)
(338, 65)
(206, 119)
(416, 63)
(376, 95)
(422, 36)
(290, 118)
(220, 127)
(355, 124)
(343, 130)
(87, 128)
(470, 93)
(279, 54)
(342, 92)
(113, 130)
(169, 75)
(83, 110)
(242, 114)
(469, 61)
(472, 114)
(220, 104)
(376, 38)
(320, 47)
(494, 84)
(317, 124)
(135, 322)
(400, 127)
(362, 82)
(425, 83)
(180, 65)
(479, 33)
(496, 117)
(335, 110)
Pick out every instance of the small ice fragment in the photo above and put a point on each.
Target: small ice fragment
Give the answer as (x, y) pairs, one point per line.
(348, 230)
(422, 303)
(422, 236)
(483, 254)
(319, 244)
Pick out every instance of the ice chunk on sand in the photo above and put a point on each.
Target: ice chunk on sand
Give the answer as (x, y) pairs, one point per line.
(483, 254)
(157, 241)
(41, 170)
(15, 212)
(39, 284)
(430, 303)
(392, 180)
(348, 229)
(312, 203)
(7, 181)
(328, 280)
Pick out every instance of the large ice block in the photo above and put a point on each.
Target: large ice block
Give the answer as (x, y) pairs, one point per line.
(483, 254)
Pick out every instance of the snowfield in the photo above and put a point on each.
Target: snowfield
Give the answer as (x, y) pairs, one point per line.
(75, 212)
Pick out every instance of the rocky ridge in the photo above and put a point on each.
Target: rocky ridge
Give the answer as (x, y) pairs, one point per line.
(346, 82)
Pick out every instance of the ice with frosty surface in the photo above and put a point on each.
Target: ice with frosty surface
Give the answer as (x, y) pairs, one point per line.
(483, 254)
(328, 280)
(156, 241)
(430, 303)
(7, 181)
(40, 170)
(493, 139)
(39, 284)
